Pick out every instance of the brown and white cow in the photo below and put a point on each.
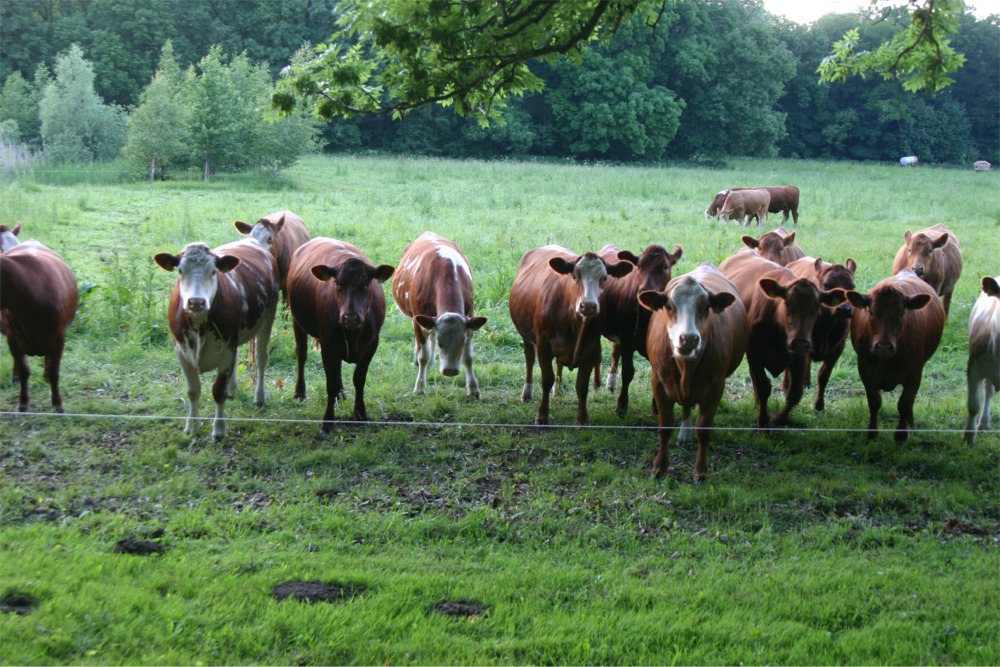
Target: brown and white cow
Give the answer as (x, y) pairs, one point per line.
(697, 337)
(625, 321)
(38, 300)
(778, 246)
(555, 306)
(935, 256)
(782, 309)
(745, 205)
(784, 200)
(895, 329)
(829, 334)
(983, 369)
(282, 233)
(432, 286)
(335, 295)
(8, 236)
(223, 297)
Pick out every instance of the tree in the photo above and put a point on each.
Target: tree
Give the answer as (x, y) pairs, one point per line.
(19, 104)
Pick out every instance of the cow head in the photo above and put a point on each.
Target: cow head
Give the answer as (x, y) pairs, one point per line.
(353, 279)
(802, 301)
(886, 307)
(687, 308)
(198, 271)
(990, 286)
(653, 266)
(834, 276)
(920, 249)
(264, 232)
(453, 332)
(713, 208)
(770, 245)
(8, 236)
(589, 272)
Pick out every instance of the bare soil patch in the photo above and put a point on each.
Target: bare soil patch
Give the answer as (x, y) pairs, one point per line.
(314, 591)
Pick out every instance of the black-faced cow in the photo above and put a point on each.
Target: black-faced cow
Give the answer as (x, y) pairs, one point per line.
(983, 369)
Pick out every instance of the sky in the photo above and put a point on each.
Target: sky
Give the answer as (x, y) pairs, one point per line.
(807, 11)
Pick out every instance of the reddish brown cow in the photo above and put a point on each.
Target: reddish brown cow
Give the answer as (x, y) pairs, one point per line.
(983, 370)
(555, 306)
(778, 246)
(433, 287)
(935, 256)
(335, 295)
(281, 232)
(829, 334)
(896, 328)
(222, 299)
(625, 321)
(38, 300)
(784, 199)
(783, 310)
(696, 339)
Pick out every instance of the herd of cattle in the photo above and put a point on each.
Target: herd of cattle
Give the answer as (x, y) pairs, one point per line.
(769, 303)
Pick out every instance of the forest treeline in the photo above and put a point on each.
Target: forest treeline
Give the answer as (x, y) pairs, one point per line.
(712, 79)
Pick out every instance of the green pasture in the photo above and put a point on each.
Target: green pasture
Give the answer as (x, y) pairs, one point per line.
(806, 545)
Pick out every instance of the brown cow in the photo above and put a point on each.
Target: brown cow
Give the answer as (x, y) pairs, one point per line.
(983, 370)
(784, 199)
(335, 295)
(282, 233)
(38, 300)
(8, 236)
(935, 256)
(697, 337)
(896, 328)
(778, 246)
(222, 299)
(555, 306)
(433, 287)
(829, 334)
(745, 205)
(782, 309)
(625, 321)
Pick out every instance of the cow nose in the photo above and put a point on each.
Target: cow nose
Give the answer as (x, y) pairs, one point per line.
(689, 341)
(449, 372)
(844, 311)
(799, 346)
(196, 304)
(919, 270)
(350, 321)
(588, 308)
(884, 349)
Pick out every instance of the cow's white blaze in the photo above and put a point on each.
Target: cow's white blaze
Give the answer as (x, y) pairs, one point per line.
(591, 273)
(451, 255)
(199, 279)
(7, 241)
(690, 309)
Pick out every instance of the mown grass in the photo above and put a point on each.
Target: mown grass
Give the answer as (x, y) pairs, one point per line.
(806, 545)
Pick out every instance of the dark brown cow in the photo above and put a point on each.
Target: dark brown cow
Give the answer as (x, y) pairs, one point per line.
(896, 328)
(38, 300)
(784, 199)
(935, 256)
(433, 287)
(829, 334)
(983, 370)
(335, 295)
(281, 232)
(778, 246)
(555, 306)
(625, 321)
(783, 310)
(222, 299)
(696, 339)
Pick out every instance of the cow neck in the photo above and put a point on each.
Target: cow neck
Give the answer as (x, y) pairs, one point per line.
(448, 297)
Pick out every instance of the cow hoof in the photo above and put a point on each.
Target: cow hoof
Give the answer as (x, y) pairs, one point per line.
(820, 406)
(900, 435)
(299, 397)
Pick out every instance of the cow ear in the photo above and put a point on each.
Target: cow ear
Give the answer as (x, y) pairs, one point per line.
(560, 265)
(789, 240)
(917, 302)
(382, 272)
(990, 286)
(17, 229)
(652, 300)
(851, 265)
(242, 227)
(720, 301)
(475, 323)
(281, 223)
(621, 269)
(942, 241)
(907, 236)
(750, 242)
(628, 256)
(857, 299)
(773, 288)
(675, 256)
(323, 272)
(227, 263)
(833, 297)
(426, 321)
(818, 264)
(166, 261)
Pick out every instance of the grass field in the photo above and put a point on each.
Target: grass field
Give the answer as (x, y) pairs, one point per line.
(806, 545)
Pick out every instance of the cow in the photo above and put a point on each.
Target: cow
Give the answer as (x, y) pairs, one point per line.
(983, 369)
(625, 321)
(38, 301)
(697, 336)
(782, 309)
(909, 161)
(282, 233)
(432, 286)
(981, 165)
(829, 334)
(784, 200)
(935, 256)
(778, 246)
(8, 236)
(895, 329)
(746, 205)
(223, 298)
(335, 295)
(555, 306)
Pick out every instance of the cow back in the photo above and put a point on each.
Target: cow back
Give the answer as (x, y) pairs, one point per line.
(433, 277)
(38, 297)
(745, 269)
(540, 297)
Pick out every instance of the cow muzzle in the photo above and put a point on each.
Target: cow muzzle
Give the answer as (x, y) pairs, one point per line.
(688, 344)
(883, 349)
(843, 312)
(799, 346)
(449, 372)
(919, 270)
(351, 321)
(587, 308)
(196, 304)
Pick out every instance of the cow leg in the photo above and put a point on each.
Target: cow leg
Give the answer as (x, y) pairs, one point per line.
(52, 362)
(193, 380)
(616, 354)
(795, 216)
(529, 371)
(423, 356)
(874, 397)
(331, 369)
(471, 383)
(761, 391)
(988, 392)
(628, 373)
(684, 435)
(360, 375)
(548, 379)
(221, 391)
(21, 373)
(582, 388)
(823, 379)
(665, 419)
(784, 216)
(557, 386)
(976, 387)
(946, 302)
(706, 417)
(907, 397)
(796, 370)
(301, 350)
(262, 340)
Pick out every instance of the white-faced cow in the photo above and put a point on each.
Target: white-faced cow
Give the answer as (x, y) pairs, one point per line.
(778, 246)
(935, 256)
(432, 286)
(335, 295)
(909, 161)
(784, 200)
(38, 300)
(745, 205)
(983, 369)
(555, 306)
(895, 329)
(697, 337)
(223, 297)
(282, 233)
(8, 236)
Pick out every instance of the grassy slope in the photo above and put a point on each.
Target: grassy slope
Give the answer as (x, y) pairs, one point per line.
(807, 546)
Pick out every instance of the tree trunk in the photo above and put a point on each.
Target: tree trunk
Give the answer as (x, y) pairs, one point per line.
(152, 169)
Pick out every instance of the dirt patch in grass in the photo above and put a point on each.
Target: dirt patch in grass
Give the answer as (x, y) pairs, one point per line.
(314, 591)
(460, 608)
(17, 603)
(138, 547)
